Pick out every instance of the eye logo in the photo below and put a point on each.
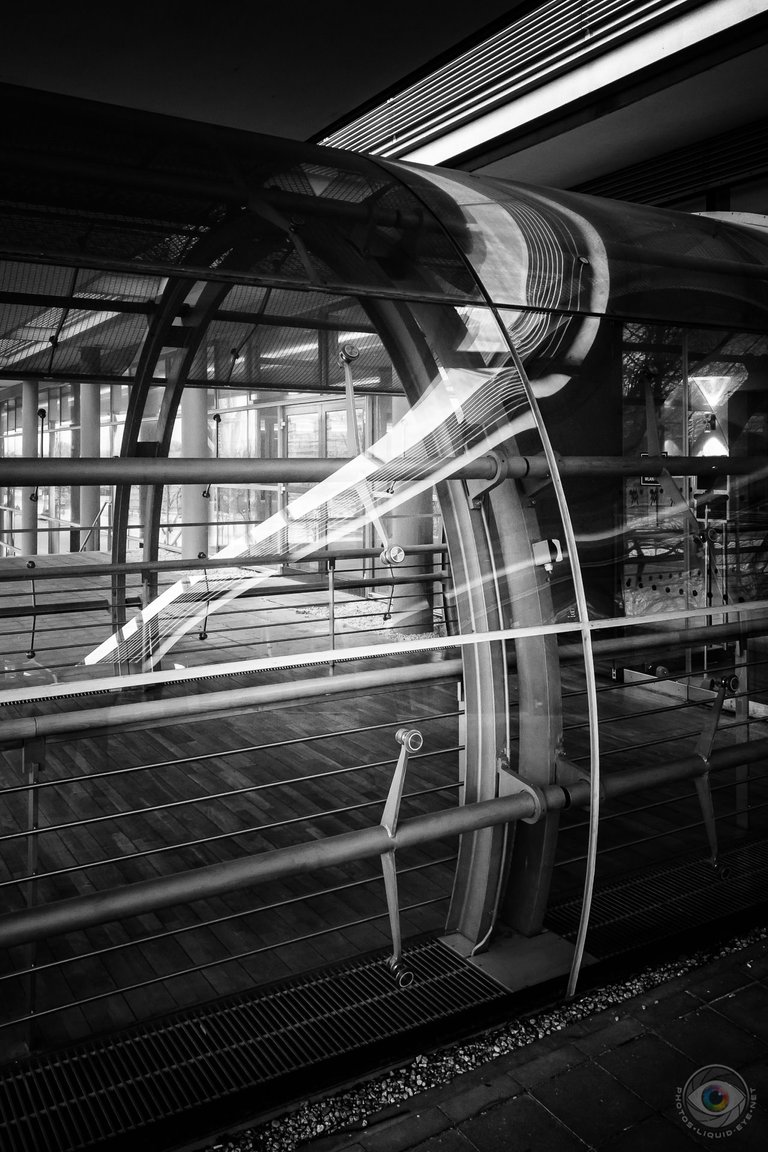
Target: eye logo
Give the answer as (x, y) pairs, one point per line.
(715, 1097)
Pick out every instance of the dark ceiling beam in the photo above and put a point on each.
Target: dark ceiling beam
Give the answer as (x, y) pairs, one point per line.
(15, 376)
(146, 308)
(140, 221)
(80, 303)
(95, 263)
(306, 323)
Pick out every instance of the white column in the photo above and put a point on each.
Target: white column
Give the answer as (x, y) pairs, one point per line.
(90, 447)
(29, 449)
(195, 509)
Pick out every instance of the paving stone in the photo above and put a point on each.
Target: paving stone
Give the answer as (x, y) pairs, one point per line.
(747, 1007)
(663, 1007)
(649, 1068)
(449, 1141)
(591, 1103)
(653, 1133)
(460, 1105)
(522, 1125)
(549, 1065)
(718, 981)
(710, 1038)
(404, 1131)
(618, 1032)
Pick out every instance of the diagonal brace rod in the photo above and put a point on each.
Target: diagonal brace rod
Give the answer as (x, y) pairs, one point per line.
(410, 740)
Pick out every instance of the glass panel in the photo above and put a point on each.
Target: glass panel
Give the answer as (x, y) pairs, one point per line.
(233, 434)
(544, 248)
(336, 436)
(303, 431)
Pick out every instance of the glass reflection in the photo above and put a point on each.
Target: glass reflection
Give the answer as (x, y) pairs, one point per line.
(467, 402)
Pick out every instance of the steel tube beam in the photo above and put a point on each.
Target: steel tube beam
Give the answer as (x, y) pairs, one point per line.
(162, 470)
(666, 641)
(145, 711)
(59, 572)
(146, 896)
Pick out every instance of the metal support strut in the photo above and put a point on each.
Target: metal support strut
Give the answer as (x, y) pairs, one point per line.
(31, 649)
(704, 749)
(392, 553)
(410, 740)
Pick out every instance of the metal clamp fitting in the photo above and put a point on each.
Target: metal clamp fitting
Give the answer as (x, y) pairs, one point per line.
(410, 738)
(501, 471)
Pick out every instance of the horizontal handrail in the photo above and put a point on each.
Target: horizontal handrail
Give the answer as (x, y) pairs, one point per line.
(137, 567)
(145, 711)
(205, 965)
(145, 896)
(179, 930)
(18, 470)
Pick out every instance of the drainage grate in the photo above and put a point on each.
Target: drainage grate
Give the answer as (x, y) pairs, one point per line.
(662, 903)
(95, 1093)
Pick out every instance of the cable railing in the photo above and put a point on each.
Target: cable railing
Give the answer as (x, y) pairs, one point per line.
(341, 601)
(660, 718)
(75, 825)
(273, 809)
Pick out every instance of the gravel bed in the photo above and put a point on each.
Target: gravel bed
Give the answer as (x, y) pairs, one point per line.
(351, 1108)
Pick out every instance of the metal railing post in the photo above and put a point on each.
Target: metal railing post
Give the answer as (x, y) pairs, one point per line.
(743, 734)
(410, 740)
(31, 648)
(331, 569)
(32, 765)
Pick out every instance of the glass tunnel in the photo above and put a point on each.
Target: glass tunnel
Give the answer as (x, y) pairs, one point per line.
(520, 434)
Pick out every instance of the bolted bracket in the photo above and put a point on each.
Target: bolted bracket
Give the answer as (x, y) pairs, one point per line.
(709, 730)
(569, 773)
(348, 353)
(516, 784)
(501, 471)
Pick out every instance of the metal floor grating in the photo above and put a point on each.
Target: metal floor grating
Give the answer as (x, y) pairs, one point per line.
(664, 902)
(91, 1095)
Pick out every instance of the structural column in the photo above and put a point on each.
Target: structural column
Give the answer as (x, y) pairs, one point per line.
(90, 444)
(29, 449)
(195, 508)
(412, 524)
